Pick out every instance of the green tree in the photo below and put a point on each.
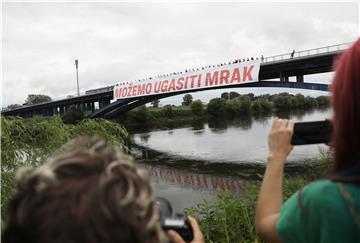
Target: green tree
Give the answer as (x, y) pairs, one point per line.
(13, 106)
(216, 107)
(233, 95)
(300, 100)
(33, 99)
(244, 104)
(187, 99)
(323, 101)
(155, 103)
(282, 101)
(251, 96)
(225, 95)
(256, 106)
(265, 104)
(197, 107)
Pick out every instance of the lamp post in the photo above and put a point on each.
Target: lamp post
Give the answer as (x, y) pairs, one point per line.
(77, 76)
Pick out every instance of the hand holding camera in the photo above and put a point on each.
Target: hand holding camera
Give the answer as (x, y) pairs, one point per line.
(180, 229)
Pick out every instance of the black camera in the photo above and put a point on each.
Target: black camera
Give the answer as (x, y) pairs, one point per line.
(312, 132)
(179, 223)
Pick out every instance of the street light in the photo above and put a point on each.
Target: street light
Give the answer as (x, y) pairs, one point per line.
(77, 76)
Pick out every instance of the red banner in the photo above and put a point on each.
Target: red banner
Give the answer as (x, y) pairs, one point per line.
(228, 75)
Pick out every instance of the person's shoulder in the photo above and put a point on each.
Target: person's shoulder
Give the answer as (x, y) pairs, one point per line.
(320, 186)
(322, 192)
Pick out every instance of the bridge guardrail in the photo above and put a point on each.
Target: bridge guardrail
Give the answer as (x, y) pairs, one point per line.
(305, 53)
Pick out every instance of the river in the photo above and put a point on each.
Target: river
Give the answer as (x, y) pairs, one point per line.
(196, 161)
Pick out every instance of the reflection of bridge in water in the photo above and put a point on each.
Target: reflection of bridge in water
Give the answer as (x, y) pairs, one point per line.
(312, 61)
(196, 181)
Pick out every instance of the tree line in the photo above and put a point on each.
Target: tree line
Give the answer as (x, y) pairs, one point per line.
(228, 105)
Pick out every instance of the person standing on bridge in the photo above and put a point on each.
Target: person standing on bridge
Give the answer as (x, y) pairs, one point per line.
(292, 54)
(326, 210)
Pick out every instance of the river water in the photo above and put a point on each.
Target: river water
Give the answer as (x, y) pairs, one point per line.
(196, 161)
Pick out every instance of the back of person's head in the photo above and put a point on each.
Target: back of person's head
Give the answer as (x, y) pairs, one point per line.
(88, 192)
(346, 104)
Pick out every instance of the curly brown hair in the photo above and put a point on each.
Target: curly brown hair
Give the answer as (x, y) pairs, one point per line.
(87, 192)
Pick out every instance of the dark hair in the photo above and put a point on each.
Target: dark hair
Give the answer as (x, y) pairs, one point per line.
(88, 192)
(346, 104)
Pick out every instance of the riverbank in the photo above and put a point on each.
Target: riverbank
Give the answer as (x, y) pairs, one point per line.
(230, 219)
(229, 106)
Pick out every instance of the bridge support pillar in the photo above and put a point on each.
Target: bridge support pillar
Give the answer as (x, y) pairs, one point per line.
(300, 78)
(284, 77)
(62, 110)
(50, 111)
(92, 106)
(103, 103)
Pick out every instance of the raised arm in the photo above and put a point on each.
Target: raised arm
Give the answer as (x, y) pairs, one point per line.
(270, 196)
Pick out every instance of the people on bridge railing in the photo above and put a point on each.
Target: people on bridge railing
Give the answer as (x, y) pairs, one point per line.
(191, 70)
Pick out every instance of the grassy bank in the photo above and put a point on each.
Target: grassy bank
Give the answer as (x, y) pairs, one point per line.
(231, 218)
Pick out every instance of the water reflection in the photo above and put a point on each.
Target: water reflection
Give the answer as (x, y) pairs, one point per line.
(192, 163)
(238, 141)
(196, 181)
(145, 137)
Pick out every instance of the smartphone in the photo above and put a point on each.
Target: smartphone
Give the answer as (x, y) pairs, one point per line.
(312, 132)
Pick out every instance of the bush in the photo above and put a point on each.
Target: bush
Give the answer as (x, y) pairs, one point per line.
(73, 115)
(168, 112)
(197, 107)
(138, 115)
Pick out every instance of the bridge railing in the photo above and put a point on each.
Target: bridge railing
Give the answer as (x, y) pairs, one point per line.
(309, 52)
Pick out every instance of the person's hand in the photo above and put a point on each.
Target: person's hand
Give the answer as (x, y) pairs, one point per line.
(280, 138)
(198, 236)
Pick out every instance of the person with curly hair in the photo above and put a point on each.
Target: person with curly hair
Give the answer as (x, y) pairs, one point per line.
(87, 192)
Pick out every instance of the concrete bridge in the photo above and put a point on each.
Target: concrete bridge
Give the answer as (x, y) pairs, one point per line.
(98, 101)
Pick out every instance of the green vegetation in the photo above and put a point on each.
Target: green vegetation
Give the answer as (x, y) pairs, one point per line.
(235, 104)
(155, 103)
(229, 106)
(231, 218)
(27, 142)
(197, 107)
(73, 115)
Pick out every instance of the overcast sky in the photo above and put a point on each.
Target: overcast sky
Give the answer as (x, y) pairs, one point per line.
(126, 41)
